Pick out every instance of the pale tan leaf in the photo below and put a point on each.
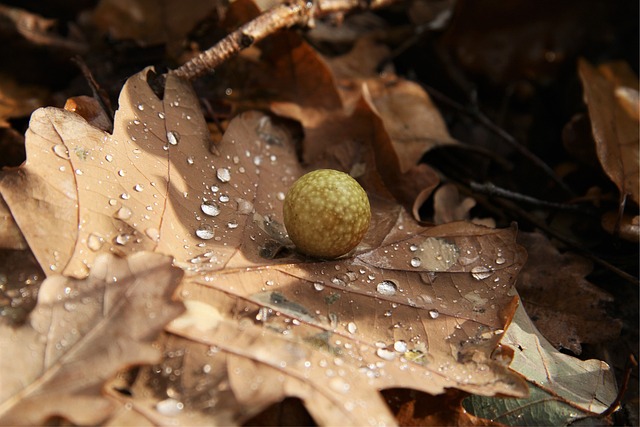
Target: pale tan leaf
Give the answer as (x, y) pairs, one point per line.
(81, 333)
(152, 185)
(10, 235)
(614, 130)
(588, 385)
(421, 310)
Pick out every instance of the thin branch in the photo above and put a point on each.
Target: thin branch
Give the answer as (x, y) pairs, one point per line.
(285, 15)
(503, 134)
(493, 190)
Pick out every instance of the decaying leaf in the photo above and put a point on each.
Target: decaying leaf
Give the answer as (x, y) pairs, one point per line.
(421, 310)
(10, 235)
(568, 309)
(564, 389)
(80, 334)
(152, 185)
(614, 130)
(148, 22)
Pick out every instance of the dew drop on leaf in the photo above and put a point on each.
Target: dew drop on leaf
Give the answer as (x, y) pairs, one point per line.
(223, 174)
(500, 260)
(245, 207)
(124, 213)
(481, 272)
(61, 151)
(387, 288)
(385, 354)
(95, 241)
(352, 327)
(122, 239)
(415, 262)
(138, 187)
(173, 137)
(205, 232)
(400, 346)
(433, 313)
(232, 224)
(152, 233)
(169, 407)
(210, 208)
(318, 286)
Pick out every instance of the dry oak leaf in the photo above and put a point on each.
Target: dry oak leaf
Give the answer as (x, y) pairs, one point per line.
(148, 22)
(80, 334)
(568, 309)
(390, 122)
(615, 131)
(155, 184)
(421, 310)
(588, 385)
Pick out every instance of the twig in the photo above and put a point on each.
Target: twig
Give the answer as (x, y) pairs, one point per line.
(567, 241)
(631, 364)
(285, 15)
(493, 190)
(504, 135)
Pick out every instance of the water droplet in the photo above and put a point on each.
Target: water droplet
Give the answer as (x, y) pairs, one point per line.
(413, 248)
(433, 313)
(78, 172)
(352, 327)
(223, 174)
(173, 137)
(61, 151)
(385, 354)
(280, 195)
(500, 260)
(415, 262)
(108, 158)
(210, 208)
(95, 241)
(169, 407)
(387, 288)
(318, 286)
(190, 160)
(223, 198)
(269, 283)
(338, 281)
(205, 232)
(481, 272)
(245, 207)
(125, 196)
(232, 224)
(122, 239)
(257, 160)
(140, 107)
(124, 213)
(214, 188)
(138, 187)
(152, 233)
(160, 115)
(339, 385)
(400, 346)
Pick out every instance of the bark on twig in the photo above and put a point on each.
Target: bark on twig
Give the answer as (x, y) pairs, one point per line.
(285, 15)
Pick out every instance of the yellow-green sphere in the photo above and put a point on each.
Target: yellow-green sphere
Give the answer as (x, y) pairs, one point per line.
(326, 213)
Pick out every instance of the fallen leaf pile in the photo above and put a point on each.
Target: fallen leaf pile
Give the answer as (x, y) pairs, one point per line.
(170, 293)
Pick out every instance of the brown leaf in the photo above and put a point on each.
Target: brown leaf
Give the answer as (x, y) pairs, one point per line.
(149, 22)
(17, 100)
(614, 130)
(152, 185)
(80, 334)
(421, 311)
(411, 307)
(10, 235)
(568, 309)
(627, 227)
(392, 121)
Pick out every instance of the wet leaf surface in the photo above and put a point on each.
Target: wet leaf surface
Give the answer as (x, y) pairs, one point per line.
(80, 334)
